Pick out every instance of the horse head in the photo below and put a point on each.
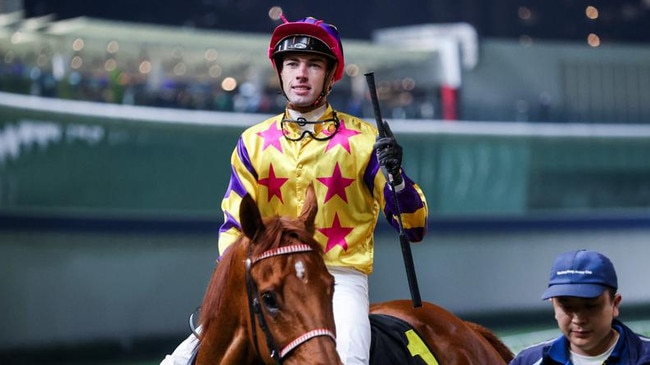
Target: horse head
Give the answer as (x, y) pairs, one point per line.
(270, 298)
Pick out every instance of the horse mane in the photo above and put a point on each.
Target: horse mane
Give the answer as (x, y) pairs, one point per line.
(212, 300)
(277, 228)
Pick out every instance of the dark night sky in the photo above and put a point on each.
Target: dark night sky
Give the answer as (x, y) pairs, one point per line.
(619, 21)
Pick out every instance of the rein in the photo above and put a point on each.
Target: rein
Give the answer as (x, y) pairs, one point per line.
(255, 309)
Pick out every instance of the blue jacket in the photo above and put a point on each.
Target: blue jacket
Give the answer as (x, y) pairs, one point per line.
(631, 349)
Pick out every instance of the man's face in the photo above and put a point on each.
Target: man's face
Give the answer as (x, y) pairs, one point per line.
(303, 76)
(587, 322)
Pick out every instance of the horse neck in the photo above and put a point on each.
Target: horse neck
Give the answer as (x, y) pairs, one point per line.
(226, 308)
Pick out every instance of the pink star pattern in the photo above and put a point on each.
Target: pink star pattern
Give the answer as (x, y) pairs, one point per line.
(273, 184)
(272, 137)
(342, 138)
(336, 184)
(336, 234)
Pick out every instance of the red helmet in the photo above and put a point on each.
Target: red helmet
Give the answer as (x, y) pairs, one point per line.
(308, 35)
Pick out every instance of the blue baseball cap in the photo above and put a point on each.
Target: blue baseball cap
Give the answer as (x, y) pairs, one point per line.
(581, 273)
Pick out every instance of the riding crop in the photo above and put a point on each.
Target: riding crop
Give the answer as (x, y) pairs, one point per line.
(403, 239)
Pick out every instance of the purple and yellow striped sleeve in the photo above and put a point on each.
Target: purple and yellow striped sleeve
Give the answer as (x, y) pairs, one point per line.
(411, 200)
(242, 178)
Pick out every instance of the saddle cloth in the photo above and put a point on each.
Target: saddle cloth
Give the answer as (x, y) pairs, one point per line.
(395, 342)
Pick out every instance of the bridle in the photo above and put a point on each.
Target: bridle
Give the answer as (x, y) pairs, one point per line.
(255, 309)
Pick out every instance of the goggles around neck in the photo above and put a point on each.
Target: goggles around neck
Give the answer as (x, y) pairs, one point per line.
(320, 130)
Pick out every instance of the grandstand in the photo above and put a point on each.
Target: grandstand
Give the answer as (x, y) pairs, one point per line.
(424, 72)
(151, 65)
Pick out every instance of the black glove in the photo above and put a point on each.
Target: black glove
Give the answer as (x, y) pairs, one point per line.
(389, 155)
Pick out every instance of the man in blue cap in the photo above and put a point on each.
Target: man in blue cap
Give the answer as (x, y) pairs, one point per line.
(583, 290)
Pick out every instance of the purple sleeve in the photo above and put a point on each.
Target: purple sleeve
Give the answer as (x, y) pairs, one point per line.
(410, 202)
(409, 198)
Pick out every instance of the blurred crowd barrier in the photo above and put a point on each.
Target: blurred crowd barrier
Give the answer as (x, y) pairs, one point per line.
(59, 155)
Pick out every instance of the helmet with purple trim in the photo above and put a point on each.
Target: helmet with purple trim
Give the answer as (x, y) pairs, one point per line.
(307, 35)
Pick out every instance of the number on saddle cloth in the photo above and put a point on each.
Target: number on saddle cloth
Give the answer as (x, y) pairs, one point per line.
(396, 342)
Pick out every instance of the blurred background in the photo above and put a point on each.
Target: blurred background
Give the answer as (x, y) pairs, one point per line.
(526, 123)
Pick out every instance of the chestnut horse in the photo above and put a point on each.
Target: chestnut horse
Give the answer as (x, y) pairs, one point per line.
(270, 302)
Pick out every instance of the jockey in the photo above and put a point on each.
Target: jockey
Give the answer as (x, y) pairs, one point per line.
(312, 143)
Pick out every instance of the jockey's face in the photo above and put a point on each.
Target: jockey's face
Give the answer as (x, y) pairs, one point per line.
(303, 77)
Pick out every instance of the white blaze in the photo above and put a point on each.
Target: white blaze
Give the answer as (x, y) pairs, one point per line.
(300, 270)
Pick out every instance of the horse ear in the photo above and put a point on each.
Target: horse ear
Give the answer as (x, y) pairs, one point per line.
(309, 209)
(250, 217)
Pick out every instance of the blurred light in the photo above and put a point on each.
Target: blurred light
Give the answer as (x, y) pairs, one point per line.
(593, 40)
(180, 69)
(275, 13)
(16, 37)
(211, 54)
(383, 89)
(76, 62)
(352, 70)
(112, 47)
(110, 65)
(78, 44)
(524, 13)
(525, 40)
(145, 67)
(215, 71)
(229, 84)
(408, 84)
(591, 12)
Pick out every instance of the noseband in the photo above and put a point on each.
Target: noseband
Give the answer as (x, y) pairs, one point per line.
(255, 308)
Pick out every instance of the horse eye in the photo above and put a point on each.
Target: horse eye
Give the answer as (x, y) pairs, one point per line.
(270, 302)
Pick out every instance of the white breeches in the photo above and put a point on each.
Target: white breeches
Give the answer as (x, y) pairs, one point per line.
(351, 315)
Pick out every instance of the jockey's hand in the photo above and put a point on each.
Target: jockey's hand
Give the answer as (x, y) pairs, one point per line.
(389, 155)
